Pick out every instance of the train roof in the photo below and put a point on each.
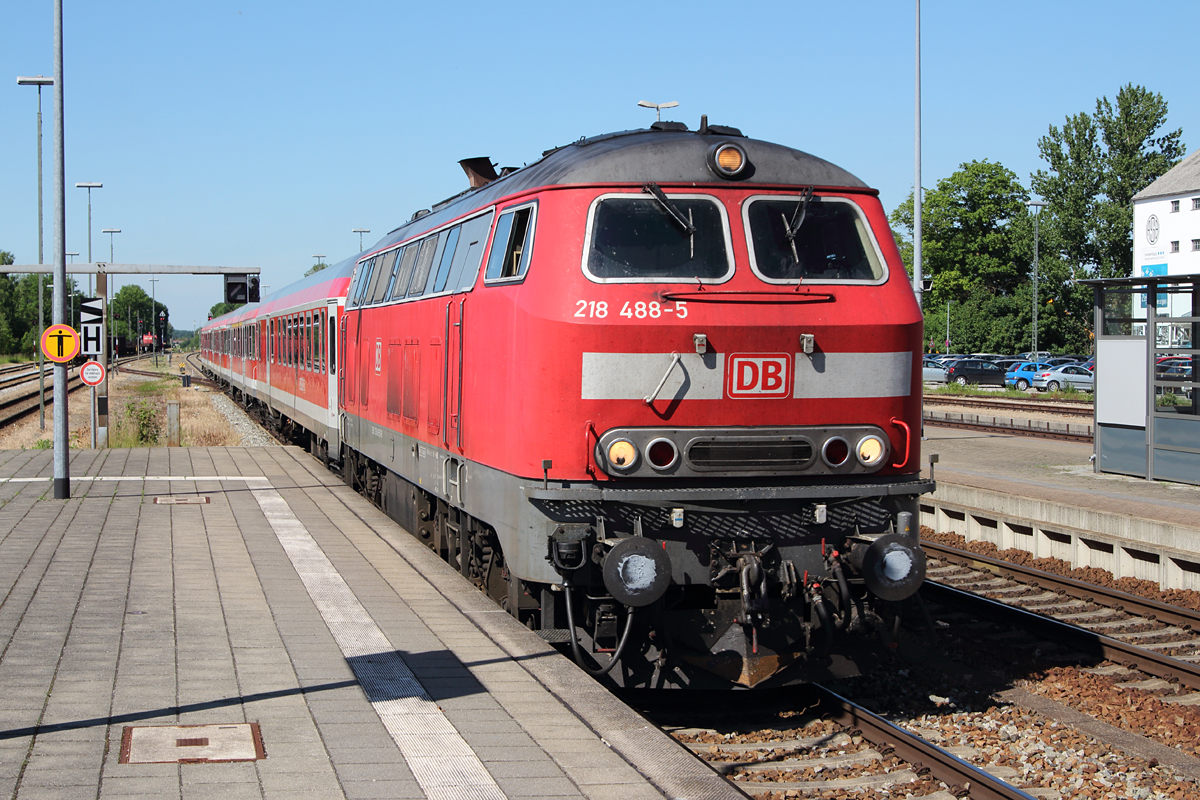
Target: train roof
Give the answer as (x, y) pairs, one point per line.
(666, 153)
(331, 282)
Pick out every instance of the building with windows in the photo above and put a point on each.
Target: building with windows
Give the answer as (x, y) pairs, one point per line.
(1166, 223)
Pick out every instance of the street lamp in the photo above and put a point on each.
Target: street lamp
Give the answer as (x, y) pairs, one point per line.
(1037, 207)
(110, 232)
(89, 187)
(39, 81)
(658, 107)
(360, 232)
(153, 308)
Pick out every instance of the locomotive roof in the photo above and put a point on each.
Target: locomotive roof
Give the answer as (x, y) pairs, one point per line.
(663, 154)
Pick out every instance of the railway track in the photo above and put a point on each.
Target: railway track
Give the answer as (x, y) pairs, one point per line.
(1065, 409)
(18, 406)
(1152, 637)
(812, 741)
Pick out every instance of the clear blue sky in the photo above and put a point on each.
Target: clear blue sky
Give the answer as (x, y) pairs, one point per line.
(257, 134)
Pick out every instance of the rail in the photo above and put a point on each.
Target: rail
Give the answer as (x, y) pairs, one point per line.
(951, 770)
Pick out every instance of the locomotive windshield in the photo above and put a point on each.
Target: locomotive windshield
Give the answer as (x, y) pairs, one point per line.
(636, 238)
(827, 241)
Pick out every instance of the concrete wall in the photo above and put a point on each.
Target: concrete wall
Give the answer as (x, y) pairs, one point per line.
(1128, 547)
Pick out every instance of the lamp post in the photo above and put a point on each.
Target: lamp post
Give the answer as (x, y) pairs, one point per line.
(1037, 207)
(89, 187)
(918, 277)
(658, 107)
(39, 81)
(110, 232)
(62, 467)
(360, 232)
(153, 317)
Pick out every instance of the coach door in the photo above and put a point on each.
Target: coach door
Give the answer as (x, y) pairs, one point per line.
(453, 372)
(331, 360)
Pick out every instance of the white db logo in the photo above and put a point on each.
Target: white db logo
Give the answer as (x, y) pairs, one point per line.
(759, 375)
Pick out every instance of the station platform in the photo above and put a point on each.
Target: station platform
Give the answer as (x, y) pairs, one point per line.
(237, 623)
(1043, 495)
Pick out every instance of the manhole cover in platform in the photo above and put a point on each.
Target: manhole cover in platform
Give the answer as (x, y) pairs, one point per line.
(181, 500)
(179, 744)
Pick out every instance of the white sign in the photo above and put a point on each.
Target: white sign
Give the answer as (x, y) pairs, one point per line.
(91, 326)
(92, 373)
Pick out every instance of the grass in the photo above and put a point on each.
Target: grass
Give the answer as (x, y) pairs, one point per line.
(1068, 393)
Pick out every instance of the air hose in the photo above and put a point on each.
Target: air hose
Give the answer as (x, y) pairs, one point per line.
(578, 654)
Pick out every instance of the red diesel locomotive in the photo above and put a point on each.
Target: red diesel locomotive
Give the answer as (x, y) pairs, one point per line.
(658, 393)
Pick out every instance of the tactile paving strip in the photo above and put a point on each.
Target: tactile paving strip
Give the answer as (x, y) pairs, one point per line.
(440, 759)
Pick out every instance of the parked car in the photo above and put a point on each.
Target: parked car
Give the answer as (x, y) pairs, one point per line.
(1040, 355)
(1005, 364)
(1051, 380)
(932, 371)
(1060, 360)
(972, 370)
(1021, 375)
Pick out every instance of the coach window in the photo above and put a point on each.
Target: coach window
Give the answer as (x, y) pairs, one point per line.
(430, 252)
(308, 341)
(364, 280)
(636, 238)
(378, 275)
(443, 270)
(320, 320)
(405, 271)
(386, 271)
(511, 245)
(332, 348)
(468, 258)
(821, 239)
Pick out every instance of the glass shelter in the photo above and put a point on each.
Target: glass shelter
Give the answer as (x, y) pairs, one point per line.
(1147, 340)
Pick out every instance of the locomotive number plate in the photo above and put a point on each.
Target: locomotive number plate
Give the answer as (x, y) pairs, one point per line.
(599, 309)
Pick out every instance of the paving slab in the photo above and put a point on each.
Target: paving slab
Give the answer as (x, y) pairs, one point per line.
(370, 667)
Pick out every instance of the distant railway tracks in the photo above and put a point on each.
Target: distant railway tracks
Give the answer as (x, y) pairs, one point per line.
(16, 402)
(1009, 420)
(1146, 635)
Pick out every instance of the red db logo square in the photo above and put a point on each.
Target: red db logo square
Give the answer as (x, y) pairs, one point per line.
(759, 375)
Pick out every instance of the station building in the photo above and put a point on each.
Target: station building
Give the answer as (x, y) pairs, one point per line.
(1166, 223)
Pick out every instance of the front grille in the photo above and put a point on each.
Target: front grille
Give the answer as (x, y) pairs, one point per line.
(751, 454)
(868, 515)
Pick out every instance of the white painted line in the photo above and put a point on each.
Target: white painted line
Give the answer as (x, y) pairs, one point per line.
(443, 763)
(138, 478)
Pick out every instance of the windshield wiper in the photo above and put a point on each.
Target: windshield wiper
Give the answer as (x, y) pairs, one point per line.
(683, 222)
(798, 217)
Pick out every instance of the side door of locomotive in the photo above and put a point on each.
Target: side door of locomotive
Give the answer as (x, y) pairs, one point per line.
(462, 275)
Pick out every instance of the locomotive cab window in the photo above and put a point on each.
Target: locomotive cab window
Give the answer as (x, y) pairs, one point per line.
(824, 239)
(511, 245)
(640, 239)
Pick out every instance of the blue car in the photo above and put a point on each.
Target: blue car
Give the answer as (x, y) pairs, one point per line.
(1020, 376)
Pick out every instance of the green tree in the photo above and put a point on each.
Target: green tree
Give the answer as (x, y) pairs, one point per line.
(1097, 163)
(315, 268)
(968, 240)
(133, 311)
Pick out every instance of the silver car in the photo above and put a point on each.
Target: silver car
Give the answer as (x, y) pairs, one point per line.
(1051, 380)
(932, 371)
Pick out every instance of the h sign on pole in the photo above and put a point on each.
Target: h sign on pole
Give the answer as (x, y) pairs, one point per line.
(91, 326)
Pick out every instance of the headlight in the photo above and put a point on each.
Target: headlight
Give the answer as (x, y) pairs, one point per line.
(622, 455)
(870, 451)
(727, 160)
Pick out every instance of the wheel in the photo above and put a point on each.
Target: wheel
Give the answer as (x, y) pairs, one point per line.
(1052, 386)
(961, 380)
(1022, 384)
